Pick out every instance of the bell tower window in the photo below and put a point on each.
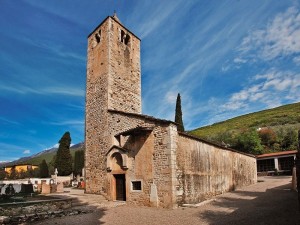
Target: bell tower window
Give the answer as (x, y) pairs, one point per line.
(98, 36)
(125, 38)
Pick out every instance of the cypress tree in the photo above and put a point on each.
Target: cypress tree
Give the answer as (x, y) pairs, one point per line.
(78, 162)
(44, 171)
(63, 156)
(178, 114)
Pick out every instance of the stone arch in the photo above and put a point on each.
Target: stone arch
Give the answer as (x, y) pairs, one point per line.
(117, 159)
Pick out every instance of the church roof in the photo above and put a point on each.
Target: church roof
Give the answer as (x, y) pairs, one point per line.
(136, 130)
(116, 19)
(146, 117)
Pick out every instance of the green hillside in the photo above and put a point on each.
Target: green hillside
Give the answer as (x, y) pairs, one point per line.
(283, 115)
(48, 156)
(266, 131)
(36, 160)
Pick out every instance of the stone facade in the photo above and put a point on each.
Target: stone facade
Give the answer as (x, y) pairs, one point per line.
(138, 158)
(113, 82)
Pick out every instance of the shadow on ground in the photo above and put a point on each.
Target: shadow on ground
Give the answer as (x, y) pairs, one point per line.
(82, 212)
(275, 206)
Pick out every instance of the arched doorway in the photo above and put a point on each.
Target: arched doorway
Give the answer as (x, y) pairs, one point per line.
(119, 177)
(117, 166)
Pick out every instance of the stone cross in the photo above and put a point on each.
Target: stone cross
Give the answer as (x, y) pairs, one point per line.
(55, 172)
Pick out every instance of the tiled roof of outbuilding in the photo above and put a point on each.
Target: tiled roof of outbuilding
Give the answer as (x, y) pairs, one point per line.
(274, 154)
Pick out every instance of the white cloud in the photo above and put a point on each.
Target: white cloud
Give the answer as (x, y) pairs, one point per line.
(67, 122)
(9, 121)
(296, 60)
(239, 60)
(66, 91)
(278, 39)
(273, 89)
(278, 84)
(26, 152)
(256, 96)
(159, 15)
(171, 97)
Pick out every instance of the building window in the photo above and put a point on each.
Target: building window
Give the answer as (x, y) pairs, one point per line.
(286, 163)
(265, 165)
(98, 36)
(136, 185)
(125, 38)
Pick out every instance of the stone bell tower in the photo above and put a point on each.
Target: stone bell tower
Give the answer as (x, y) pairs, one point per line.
(113, 83)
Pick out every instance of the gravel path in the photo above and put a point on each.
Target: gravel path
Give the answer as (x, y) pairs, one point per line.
(270, 201)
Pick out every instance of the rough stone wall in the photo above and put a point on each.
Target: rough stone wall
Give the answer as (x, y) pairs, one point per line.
(164, 161)
(140, 167)
(113, 82)
(206, 170)
(152, 159)
(96, 121)
(125, 72)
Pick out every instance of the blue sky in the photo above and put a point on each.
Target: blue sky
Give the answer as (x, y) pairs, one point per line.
(226, 58)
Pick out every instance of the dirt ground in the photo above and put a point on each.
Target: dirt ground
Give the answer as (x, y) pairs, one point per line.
(270, 201)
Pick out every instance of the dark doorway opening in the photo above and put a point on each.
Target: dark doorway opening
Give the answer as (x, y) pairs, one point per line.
(120, 187)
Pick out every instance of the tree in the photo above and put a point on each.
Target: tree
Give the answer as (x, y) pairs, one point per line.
(298, 141)
(13, 174)
(3, 174)
(268, 138)
(52, 165)
(289, 141)
(63, 156)
(78, 162)
(22, 174)
(44, 171)
(178, 114)
(297, 163)
(225, 138)
(249, 142)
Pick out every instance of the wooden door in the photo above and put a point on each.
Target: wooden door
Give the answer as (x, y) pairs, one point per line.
(120, 187)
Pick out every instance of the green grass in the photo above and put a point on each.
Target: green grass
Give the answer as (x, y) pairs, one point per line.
(287, 115)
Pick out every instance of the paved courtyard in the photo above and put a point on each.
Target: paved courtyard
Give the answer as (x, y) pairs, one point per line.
(270, 201)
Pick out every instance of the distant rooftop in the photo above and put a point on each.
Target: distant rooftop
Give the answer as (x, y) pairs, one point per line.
(274, 154)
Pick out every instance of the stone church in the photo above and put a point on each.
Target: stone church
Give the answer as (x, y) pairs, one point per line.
(138, 158)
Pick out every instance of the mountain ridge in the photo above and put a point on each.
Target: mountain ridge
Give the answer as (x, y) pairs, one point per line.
(46, 154)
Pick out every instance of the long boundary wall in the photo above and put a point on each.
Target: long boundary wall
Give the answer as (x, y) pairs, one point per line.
(205, 170)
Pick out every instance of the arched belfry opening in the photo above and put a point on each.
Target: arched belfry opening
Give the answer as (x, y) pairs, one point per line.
(124, 37)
